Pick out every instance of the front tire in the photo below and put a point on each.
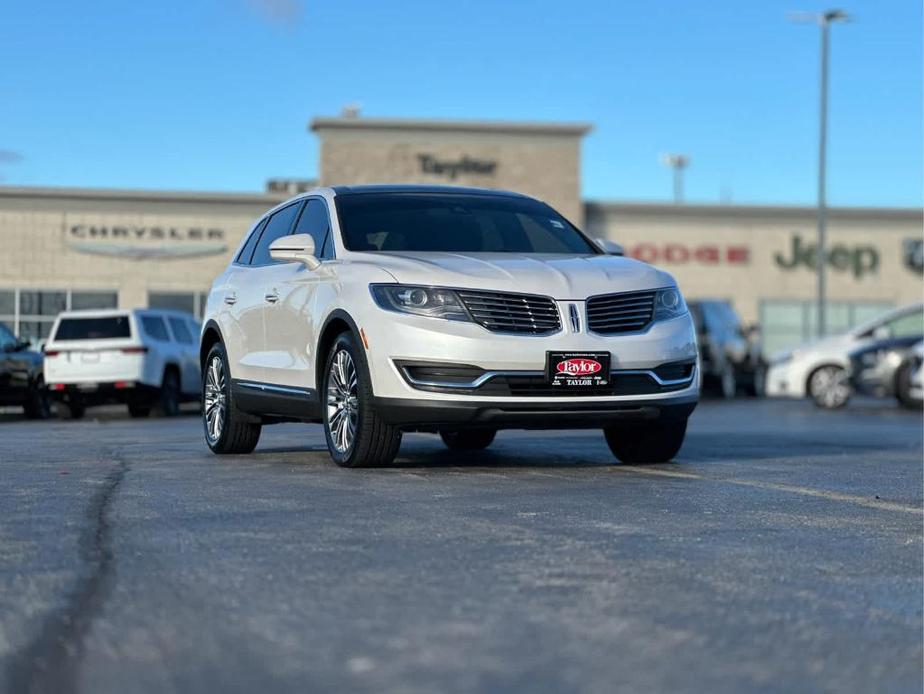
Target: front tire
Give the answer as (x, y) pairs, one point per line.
(355, 432)
(38, 405)
(467, 439)
(227, 429)
(903, 388)
(828, 387)
(646, 442)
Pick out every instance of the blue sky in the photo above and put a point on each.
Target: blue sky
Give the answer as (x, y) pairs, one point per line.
(215, 95)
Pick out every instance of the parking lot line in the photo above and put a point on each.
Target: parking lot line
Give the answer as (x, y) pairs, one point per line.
(789, 488)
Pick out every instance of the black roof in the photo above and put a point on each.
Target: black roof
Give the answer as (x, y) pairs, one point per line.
(420, 188)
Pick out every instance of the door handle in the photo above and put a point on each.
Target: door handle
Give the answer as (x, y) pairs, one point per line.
(272, 296)
(230, 299)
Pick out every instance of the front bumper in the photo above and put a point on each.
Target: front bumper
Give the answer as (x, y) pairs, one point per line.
(395, 339)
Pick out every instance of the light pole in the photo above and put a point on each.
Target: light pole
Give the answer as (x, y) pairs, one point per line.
(677, 162)
(824, 20)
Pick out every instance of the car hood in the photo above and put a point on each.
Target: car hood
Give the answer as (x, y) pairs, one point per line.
(563, 277)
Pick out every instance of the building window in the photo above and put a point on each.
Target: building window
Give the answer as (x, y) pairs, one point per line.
(30, 313)
(191, 302)
(785, 324)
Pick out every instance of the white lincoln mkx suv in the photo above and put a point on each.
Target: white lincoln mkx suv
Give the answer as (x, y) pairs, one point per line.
(375, 310)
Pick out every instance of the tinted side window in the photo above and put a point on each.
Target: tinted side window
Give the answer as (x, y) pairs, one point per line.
(247, 251)
(154, 327)
(314, 221)
(279, 225)
(180, 331)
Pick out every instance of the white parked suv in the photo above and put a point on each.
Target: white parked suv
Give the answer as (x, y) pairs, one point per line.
(381, 309)
(144, 358)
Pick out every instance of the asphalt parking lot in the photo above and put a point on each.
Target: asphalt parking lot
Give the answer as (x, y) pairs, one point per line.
(781, 552)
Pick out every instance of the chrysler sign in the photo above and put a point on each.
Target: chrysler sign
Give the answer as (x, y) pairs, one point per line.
(146, 242)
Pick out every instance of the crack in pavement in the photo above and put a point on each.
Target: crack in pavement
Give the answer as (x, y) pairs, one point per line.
(50, 661)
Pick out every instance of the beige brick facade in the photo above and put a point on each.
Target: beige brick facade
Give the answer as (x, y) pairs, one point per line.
(541, 160)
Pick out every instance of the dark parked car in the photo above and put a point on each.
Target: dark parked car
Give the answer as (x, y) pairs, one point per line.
(730, 353)
(883, 369)
(21, 382)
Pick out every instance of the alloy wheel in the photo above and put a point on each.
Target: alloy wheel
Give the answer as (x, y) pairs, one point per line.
(829, 387)
(342, 401)
(215, 398)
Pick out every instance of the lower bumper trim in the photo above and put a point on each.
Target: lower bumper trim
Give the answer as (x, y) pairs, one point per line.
(410, 413)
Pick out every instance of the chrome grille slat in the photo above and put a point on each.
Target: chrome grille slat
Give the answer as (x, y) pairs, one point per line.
(512, 313)
(620, 313)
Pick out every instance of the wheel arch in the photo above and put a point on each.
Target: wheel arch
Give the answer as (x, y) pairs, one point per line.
(336, 323)
(211, 335)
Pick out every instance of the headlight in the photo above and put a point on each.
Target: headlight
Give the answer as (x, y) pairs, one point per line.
(434, 302)
(669, 304)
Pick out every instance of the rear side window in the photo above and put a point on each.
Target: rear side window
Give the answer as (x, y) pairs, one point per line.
(180, 331)
(314, 221)
(154, 328)
(98, 328)
(279, 225)
(246, 253)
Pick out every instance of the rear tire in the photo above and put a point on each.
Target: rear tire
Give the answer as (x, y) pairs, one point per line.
(71, 409)
(38, 405)
(646, 442)
(467, 439)
(758, 387)
(227, 429)
(728, 382)
(169, 398)
(355, 432)
(139, 411)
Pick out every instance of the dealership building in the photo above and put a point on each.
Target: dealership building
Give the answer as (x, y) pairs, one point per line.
(69, 248)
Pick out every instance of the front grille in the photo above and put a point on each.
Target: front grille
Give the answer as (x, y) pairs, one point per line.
(620, 313)
(512, 313)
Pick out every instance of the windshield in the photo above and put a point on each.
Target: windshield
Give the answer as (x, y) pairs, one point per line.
(455, 223)
(99, 328)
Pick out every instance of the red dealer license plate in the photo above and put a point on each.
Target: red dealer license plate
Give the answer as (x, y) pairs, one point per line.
(578, 370)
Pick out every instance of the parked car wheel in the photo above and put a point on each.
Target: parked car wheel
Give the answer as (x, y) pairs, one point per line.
(758, 386)
(38, 404)
(227, 429)
(903, 388)
(138, 410)
(71, 409)
(356, 434)
(828, 387)
(728, 382)
(467, 439)
(646, 442)
(169, 399)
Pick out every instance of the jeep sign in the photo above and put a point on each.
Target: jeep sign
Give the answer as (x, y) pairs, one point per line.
(858, 260)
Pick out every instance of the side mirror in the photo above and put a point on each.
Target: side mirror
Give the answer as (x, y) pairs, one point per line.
(881, 332)
(609, 247)
(295, 248)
